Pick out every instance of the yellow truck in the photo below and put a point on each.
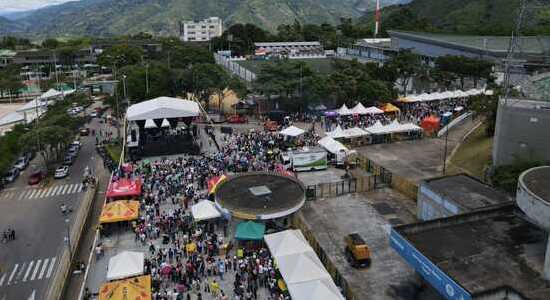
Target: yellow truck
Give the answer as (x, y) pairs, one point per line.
(357, 252)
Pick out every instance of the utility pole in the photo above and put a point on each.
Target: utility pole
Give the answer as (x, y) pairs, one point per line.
(445, 152)
(68, 238)
(147, 79)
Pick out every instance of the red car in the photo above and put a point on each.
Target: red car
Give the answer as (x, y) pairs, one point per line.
(237, 119)
(36, 177)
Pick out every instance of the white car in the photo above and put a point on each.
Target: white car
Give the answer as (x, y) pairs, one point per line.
(93, 114)
(61, 172)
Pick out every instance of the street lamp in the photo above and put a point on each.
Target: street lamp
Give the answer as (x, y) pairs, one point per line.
(124, 86)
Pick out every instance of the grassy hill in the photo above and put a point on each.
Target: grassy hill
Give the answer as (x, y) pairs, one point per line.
(115, 17)
(487, 17)
(7, 26)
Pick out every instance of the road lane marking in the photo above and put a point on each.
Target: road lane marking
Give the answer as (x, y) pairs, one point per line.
(50, 270)
(70, 189)
(36, 269)
(62, 191)
(28, 271)
(22, 195)
(12, 274)
(40, 193)
(81, 188)
(44, 266)
(32, 194)
(3, 278)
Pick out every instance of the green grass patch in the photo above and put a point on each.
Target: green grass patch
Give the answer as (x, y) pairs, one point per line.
(474, 155)
(318, 65)
(114, 151)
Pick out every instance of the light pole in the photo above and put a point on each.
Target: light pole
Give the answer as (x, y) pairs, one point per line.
(124, 86)
(68, 239)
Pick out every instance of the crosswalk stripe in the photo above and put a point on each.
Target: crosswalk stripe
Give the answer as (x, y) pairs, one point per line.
(70, 189)
(49, 192)
(32, 194)
(12, 274)
(3, 278)
(55, 190)
(36, 269)
(44, 266)
(52, 263)
(76, 188)
(22, 195)
(40, 193)
(20, 273)
(80, 187)
(8, 195)
(62, 191)
(28, 271)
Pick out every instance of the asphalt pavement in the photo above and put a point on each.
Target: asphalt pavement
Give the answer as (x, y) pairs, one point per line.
(28, 263)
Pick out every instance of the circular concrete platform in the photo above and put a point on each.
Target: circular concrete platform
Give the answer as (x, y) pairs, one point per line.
(260, 195)
(533, 195)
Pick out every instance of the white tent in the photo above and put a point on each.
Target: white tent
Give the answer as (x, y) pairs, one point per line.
(354, 132)
(344, 111)
(125, 264)
(205, 210)
(163, 107)
(374, 110)
(359, 109)
(287, 242)
(377, 128)
(150, 124)
(331, 145)
(337, 133)
(51, 93)
(292, 131)
(318, 289)
(165, 123)
(301, 267)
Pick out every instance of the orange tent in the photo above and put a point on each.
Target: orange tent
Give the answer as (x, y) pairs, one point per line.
(430, 124)
(390, 108)
(118, 211)
(136, 288)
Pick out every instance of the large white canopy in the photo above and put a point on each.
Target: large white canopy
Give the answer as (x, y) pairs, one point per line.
(344, 111)
(150, 124)
(205, 210)
(292, 131)
(373, 110)
(165, 123)
(287, 242)
(301, 267)
(332, 145)
(359, 109)
(318, 289)
(393, 127)
(51, 93)
(337, 133)
(354, 132)
(125, 264)
(163, 108)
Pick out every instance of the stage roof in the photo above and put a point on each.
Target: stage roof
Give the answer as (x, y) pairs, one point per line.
(163, 108)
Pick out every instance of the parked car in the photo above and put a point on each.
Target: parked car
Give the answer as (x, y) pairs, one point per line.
(22, 162)
(237, 119)
(76, 144)
(69, 160)
(93, 114)
(84, 132)
(61, 172)
(36, 177)
(12, 174)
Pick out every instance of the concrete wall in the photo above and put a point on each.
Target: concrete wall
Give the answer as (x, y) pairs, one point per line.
(521, 132)
(430, 205)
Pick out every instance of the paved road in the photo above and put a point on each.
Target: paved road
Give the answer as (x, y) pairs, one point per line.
(28, 263)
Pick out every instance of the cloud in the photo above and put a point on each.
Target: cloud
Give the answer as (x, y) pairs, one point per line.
(21, 5)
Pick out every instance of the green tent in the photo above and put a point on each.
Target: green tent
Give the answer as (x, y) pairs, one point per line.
(250, 231)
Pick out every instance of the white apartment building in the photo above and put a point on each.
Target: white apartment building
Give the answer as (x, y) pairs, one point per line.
(204, 30)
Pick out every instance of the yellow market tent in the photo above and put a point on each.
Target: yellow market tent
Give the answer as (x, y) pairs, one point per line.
(120, 210)
(136, 288)
(390, 108)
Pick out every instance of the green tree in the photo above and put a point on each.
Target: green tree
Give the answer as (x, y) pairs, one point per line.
(159, 76)
(50, 43)
(486, 106)
(183, 57)
(49, 142)
(10, 81)
(407, 66)
(120, 56)
(205, 80)
(238, 86)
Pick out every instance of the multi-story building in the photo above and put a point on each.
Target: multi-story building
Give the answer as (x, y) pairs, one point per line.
(201, 31)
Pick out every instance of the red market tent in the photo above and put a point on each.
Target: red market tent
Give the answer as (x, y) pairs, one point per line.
(430, 124)
(124, 187)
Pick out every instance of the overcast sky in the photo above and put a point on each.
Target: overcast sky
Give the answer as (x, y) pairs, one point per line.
(19, 5)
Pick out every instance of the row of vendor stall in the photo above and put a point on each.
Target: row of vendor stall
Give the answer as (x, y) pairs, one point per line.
(437, 96)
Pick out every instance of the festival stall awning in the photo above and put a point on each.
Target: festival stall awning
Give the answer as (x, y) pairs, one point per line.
(205, 210)
(373, 110)
(287, 242)
(51, 93)
(119, 211)
(390, 108)
(430, 124)
(125, 264)
(137, 288)
(250, 230)
(344, 111)
(124, 187)
(331, 145)
(165, 123)
(150, 124)
(163, 108)
(337, 133)
(316, 289)
(214, 182)
(301, 267)
(359, 109)
(292, 131)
